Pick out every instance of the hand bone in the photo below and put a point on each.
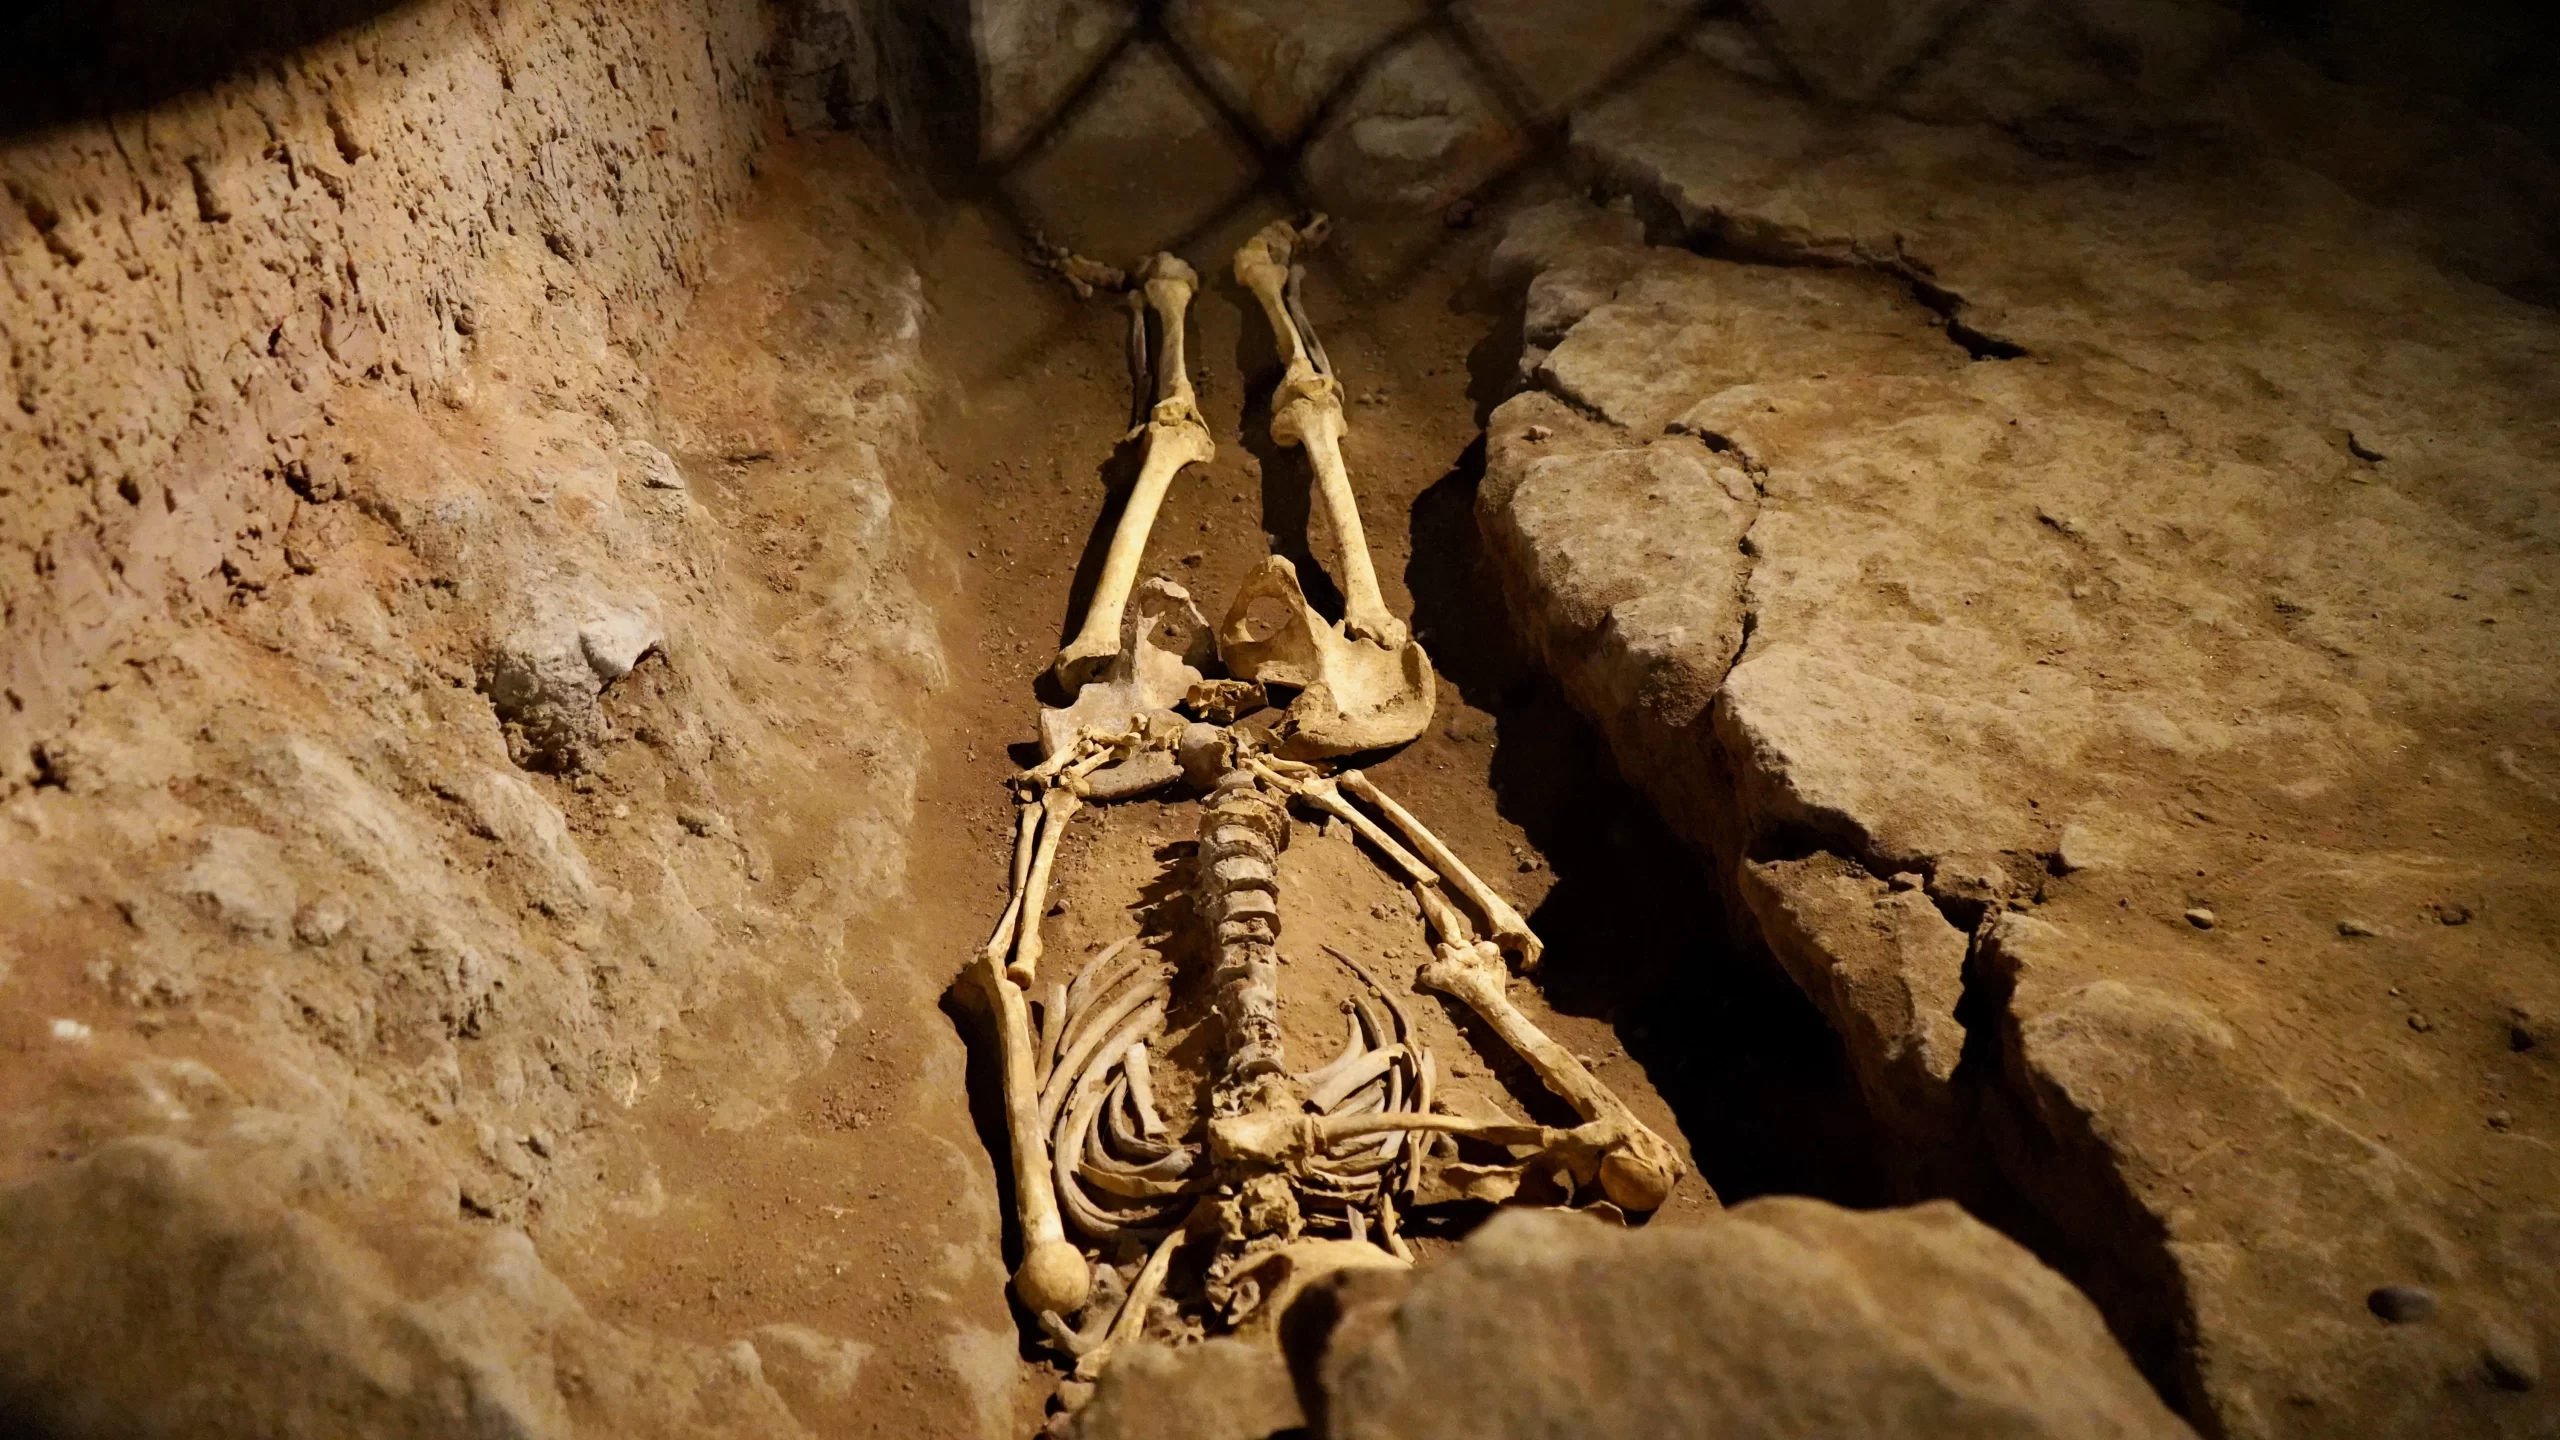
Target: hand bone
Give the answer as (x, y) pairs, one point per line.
(1638, 1168)
(1174, 437)
(1307, 411)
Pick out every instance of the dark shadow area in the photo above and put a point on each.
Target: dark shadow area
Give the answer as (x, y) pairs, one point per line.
(1636, 932)
(1288, 481)
(70, 60)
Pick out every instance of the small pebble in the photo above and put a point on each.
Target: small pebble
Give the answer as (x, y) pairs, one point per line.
(2201, 918)
(2420, 1023)
(2402, 1304)
(2354, 929)
(2510, 1360)
(1193, 558)
(1905, 881)
(2453, 914)
(1536, 432)
(2500, 1120)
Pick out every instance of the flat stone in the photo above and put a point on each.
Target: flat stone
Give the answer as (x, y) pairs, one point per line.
(1781, 1317)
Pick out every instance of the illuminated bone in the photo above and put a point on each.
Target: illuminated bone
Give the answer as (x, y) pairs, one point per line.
(1057, 807)
(1236, 892)
(1638, 1169)
(1503, 922)
(1053, 1275)
(1306, 411)
(1163, 646)
(1352, 695)
(1175, 437)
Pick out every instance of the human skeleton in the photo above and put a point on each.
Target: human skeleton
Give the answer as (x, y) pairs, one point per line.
(1348, 1144)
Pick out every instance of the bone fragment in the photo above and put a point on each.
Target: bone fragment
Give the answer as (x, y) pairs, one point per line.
(1053, 1274)
(1057, 807)
(1452, 927)
(1053, 1024)
(1390, 1232)
(1306, 410)
(1640, 1169)
(1353, 695)
(1142, 1092)
(1339, 1087)
(1352, 1049)
(1099, 974)
(1175, 437)
(1131, 1323)
(1505, 923)
(1087, 1036)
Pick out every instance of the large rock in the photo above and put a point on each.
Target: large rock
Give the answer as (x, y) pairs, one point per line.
(1217, 1390)
(1778, 1318)
(222, 1309)
(2161, 554)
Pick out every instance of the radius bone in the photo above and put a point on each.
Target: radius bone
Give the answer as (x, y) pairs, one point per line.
(1175, 436)
(1505, 923)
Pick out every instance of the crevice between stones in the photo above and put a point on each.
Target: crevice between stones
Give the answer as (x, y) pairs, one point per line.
(2004, 1145)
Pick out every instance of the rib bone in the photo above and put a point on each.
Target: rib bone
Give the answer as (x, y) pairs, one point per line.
(1638, 1170)
(1175, 437)
(1307, 411)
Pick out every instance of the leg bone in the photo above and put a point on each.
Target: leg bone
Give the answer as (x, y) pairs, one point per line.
(1307, 411)
(1175, 437)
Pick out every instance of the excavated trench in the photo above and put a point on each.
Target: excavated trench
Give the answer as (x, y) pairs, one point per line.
(513, 746)
(1643, 972)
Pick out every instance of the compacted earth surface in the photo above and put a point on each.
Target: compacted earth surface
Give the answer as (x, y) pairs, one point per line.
(2009, 662)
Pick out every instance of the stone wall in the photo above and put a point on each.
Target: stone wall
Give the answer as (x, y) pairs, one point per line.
(190, 284)
(461, 695)
(1187, 112)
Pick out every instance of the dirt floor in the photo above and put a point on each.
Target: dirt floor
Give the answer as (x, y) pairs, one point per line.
(830, 1216)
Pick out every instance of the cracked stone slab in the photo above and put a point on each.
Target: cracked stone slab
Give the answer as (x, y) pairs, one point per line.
(2225, 599)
